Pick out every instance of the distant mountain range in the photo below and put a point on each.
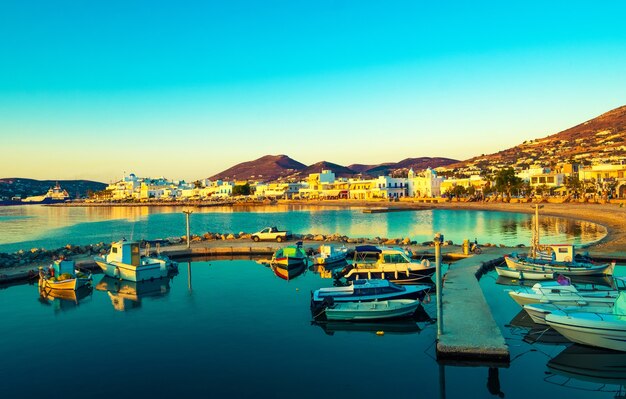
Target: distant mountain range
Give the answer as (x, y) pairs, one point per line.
(600, 138)
(20, 187)
(282, 167)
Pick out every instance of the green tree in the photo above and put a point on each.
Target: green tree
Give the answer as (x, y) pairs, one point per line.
(506, 181)
(241, 189)
(573, 185)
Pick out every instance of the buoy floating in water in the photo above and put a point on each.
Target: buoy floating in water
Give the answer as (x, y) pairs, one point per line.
(380, 333)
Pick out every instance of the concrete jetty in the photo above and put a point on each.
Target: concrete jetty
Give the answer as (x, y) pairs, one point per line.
(469, 330)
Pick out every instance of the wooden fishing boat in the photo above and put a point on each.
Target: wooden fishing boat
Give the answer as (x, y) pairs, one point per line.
(125, 262)
(62, 275)
(524, 274)
(374, 310)
(289, 256)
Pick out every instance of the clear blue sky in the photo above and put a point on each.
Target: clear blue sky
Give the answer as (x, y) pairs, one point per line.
(89, 89)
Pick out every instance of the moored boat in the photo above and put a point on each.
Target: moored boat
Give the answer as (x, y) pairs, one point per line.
(364, 291)
(62, 275)
(515, 262)
(373, 310)
(125, 262)
(523, 274)
(289, 256)
(539, 311)
(330, 254)
(603, 330)
(371, 262)
(562, 295)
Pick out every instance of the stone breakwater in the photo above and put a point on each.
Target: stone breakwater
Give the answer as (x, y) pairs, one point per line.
(44, 256)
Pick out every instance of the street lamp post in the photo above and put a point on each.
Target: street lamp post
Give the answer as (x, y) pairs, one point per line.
(187, 213)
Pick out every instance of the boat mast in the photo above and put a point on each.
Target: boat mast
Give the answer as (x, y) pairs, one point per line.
(535, 238)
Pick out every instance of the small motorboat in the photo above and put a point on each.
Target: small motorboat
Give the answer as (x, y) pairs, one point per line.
(365, 291)
(329, 254)
(603, 330)
(289, 256)
(562, 293)
(524, 274)
(373, 310)
(124, 262)
(63, 275)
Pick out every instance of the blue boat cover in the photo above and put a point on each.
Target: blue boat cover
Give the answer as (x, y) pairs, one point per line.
(367, 248)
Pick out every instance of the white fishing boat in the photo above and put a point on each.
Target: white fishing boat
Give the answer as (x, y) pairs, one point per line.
(371, 262)
(560, 294)
(62, 275)
(125, 262)
(374, 310)
(556, 258)
(527, 264)
(603, 330)
(539, 311)
(330, 254)
(524, 274)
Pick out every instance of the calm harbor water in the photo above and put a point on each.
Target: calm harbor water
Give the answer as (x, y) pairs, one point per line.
(27, 227)
(234, 329)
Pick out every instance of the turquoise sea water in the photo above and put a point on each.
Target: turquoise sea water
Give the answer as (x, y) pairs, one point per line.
(27, 227)
(235, 330)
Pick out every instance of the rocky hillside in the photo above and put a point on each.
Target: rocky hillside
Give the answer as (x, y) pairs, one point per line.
(267, 168)
(599, 139)
(20, 187)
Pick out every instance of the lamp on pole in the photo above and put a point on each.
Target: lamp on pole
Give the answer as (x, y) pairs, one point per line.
(438, 240)
(187, 213)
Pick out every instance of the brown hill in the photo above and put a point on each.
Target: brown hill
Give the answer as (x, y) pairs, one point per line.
(266, 168)
(600, 138)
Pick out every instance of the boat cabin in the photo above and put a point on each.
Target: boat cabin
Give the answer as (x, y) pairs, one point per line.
(562, 253)
(62, 266)
(126, 252)
(369, 254)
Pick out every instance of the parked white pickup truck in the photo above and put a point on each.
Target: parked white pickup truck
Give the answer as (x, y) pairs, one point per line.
(271, 233)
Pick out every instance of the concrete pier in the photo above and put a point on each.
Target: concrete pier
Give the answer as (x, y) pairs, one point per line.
(470, 332)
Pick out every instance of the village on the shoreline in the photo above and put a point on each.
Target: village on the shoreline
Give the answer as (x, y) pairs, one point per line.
(563, 182)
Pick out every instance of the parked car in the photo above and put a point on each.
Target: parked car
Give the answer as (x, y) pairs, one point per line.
(271, 234)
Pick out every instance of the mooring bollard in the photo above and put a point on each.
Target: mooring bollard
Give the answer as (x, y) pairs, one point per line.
(438, 286)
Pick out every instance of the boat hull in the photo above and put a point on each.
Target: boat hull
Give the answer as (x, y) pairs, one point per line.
(525, 298)
(133, 273)
(524, 274)
(395, 276)
(600, 330)
(68, 284)
(592, 270)
(372, 310)
(538, 312)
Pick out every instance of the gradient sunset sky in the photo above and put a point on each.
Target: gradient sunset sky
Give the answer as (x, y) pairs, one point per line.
(185, 89)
